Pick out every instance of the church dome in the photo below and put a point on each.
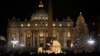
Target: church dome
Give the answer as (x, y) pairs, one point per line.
(69, 19)
(40, 14)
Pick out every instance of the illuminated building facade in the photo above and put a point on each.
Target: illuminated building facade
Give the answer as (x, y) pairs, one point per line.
(34, 33)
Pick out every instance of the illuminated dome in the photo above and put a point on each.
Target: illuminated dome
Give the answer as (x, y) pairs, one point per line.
(40, 14)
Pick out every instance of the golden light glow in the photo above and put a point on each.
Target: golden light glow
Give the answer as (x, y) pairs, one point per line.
(46, 18)
(42, 17)
(35, 18)
(80, 13)
(28, 24)
(35, 24)
(40, 50)
(28, 35)
(46, 24)
(22, 25)
(13, 35)
(68, 24)
(41, 5)
(72, 45)
(54, 24)
(41, 34)
(56, 47)
(69, 34)
(60, 25)
(54, 33)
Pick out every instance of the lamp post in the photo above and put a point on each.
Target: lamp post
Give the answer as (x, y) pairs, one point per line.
(91, 41)
(91, 44)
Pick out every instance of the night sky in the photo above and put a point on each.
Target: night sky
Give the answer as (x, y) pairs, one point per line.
(61, 9)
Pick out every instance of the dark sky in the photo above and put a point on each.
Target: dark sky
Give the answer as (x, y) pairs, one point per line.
(61, 9)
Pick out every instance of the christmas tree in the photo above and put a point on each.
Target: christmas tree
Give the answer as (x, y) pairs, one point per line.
(80, 35)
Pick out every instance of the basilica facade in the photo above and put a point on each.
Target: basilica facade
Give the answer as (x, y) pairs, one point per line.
(34, 33)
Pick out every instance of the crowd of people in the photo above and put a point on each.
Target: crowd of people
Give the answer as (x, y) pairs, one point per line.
(47, 54)
(35, 53)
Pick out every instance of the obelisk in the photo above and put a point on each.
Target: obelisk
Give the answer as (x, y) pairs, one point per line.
(50, 18)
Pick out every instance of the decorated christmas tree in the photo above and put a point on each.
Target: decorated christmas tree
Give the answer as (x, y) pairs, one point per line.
(80, 35)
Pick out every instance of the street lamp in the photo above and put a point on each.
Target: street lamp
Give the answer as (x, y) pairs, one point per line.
(91, 41)
(14, 42)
